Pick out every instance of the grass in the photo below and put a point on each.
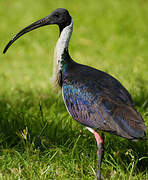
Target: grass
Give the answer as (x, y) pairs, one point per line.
(38, 139)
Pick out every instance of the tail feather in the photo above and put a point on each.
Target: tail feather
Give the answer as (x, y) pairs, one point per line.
(130, 121)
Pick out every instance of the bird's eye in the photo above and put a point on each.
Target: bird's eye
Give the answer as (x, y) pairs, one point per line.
(56, 15)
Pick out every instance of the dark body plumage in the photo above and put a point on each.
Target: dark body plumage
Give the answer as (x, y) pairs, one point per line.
(97, 100)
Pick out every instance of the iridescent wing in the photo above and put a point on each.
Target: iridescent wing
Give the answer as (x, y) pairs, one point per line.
(107, 107)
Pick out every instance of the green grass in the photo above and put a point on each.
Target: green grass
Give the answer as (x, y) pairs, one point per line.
(38, 139)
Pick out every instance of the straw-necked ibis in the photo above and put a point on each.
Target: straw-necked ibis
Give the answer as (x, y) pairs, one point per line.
(92, 97)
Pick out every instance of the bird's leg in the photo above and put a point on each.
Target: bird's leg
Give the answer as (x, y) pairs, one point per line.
(100, 152)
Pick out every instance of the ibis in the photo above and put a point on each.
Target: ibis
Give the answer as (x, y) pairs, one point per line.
(92, 97)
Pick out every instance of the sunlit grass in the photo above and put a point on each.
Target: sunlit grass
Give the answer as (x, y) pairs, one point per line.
(38, 139)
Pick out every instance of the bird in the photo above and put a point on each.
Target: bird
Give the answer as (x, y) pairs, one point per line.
(92, 97)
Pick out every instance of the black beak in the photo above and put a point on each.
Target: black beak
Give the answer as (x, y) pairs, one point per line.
(42, 22)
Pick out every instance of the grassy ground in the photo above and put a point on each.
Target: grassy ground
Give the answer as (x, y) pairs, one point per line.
(38, 139)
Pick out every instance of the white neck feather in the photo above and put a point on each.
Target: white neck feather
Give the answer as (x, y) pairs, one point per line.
(63, 41)
(61, 45)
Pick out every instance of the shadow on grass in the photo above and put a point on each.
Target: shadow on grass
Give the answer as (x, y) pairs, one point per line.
(44, 115)
(49, 125)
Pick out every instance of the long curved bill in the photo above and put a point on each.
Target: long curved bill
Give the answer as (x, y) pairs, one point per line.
(35, 25)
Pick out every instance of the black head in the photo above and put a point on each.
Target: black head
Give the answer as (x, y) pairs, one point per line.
(59, 16)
